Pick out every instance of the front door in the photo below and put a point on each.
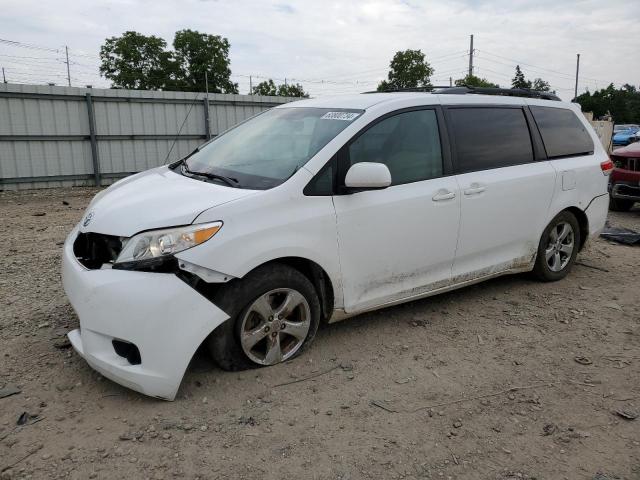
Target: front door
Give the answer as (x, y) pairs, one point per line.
(400, 241)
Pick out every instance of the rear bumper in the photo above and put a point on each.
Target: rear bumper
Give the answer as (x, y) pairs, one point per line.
(160, 314)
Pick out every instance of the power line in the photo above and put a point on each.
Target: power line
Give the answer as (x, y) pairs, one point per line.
(85, 55)
(513, 65)
(525, 63)
(565, 77)
(28, 45)
(22, 57)
(564, 74)
(449, 55)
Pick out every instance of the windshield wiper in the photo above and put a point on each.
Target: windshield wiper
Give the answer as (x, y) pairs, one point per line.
(232, 182)
(182, 161)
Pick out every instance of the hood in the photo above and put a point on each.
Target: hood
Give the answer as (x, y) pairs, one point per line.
(154, 199)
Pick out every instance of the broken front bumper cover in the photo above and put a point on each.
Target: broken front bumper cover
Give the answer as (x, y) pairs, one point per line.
(161, 315)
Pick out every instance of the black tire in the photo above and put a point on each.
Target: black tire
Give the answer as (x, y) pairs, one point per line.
(236, 297)
(620, 204)
(542, 270)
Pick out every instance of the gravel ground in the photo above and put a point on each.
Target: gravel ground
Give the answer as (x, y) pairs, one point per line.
(507, 379)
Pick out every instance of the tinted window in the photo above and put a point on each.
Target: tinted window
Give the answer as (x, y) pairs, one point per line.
(562, 132)
(407, 143)
(490, 138)
(322, 183)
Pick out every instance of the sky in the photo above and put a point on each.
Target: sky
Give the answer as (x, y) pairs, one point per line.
(336, 47)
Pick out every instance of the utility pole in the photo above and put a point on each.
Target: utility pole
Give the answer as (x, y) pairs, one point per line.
(471, 57)
(66, 49)
(4, 79)
(575, 95)
(451, 81)
(250, 85)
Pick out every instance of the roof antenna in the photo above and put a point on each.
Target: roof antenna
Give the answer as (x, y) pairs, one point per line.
(183, 122)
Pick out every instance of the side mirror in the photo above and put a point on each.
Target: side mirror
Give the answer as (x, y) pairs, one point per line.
(368, 176)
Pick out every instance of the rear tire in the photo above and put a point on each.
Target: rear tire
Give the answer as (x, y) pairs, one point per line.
(620, 204)
(274, 315)
(558, 248)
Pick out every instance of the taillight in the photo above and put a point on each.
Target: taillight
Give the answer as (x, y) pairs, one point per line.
(607, 167)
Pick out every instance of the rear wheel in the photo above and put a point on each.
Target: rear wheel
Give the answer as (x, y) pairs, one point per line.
(274, 313)
(620, 204)
(558, 248)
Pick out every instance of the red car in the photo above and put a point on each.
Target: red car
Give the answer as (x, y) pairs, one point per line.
(624, 182)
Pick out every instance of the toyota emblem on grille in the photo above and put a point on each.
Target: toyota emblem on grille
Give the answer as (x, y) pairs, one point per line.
(87, 219)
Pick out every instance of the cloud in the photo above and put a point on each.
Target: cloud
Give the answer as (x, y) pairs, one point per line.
(285, 8)
(340, 46)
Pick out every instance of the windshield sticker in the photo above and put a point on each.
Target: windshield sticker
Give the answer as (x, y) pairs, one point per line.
(346, 116)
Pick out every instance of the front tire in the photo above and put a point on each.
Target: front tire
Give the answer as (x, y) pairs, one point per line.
(558, 248)
(274, 315)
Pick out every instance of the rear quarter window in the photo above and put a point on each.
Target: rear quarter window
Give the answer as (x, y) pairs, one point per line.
(563, 134)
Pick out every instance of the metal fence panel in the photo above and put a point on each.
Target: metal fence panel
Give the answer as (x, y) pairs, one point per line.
(46, 135)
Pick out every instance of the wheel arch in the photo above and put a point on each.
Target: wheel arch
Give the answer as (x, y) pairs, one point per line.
(317, 275)
(583, 223)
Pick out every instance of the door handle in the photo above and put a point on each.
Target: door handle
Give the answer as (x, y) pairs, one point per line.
(474, 189)
(443, 194)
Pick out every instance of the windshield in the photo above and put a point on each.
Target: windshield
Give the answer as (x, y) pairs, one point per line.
(266, 150)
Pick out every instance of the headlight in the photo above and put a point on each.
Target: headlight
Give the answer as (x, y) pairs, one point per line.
(159, 243)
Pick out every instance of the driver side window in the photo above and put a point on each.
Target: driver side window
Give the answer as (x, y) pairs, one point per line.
(407, 143)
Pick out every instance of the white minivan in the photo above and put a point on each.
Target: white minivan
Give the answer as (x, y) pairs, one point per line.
(322, 209)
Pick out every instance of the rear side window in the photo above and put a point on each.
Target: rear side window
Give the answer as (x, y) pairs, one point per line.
(562, 132)
(407, 143)
(490, 137)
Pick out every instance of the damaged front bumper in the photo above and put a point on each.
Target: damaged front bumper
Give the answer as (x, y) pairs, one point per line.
(160, 315)
(626, 190)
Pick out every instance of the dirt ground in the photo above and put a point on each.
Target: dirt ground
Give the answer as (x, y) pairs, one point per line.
(509, 379)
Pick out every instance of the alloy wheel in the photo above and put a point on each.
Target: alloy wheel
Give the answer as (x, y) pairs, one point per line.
(275, 326)
(560, 246)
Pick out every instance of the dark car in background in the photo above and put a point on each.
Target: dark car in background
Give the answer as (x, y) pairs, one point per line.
(624, 181)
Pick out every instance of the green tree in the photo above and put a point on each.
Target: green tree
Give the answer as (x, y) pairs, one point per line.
(268, 87)
(519, 81)
(292, 90)
(473, 81)
(142, 62)
(137, 61)
(407, 69)
(199, 53)
(541, 85)
(622, 103)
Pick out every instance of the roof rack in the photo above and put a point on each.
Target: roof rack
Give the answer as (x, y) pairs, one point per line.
(507, 92)
(467, 89)
(426, 89)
